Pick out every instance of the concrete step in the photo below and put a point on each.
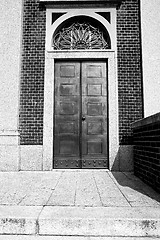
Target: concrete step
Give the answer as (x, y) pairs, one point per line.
(80, 221)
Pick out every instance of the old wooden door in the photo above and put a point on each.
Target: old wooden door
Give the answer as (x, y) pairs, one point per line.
(80, 126)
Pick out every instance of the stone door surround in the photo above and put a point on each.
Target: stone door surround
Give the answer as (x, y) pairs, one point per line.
(108, 55)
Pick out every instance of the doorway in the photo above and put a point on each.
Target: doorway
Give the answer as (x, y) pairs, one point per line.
(80, 114)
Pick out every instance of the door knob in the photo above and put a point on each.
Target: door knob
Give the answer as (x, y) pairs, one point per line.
(83, 118)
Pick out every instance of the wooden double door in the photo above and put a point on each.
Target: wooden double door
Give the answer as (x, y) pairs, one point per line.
(80, 115)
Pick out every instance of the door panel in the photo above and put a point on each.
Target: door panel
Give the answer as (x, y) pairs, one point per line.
(80, 115)
(67, 112)
(94, 110)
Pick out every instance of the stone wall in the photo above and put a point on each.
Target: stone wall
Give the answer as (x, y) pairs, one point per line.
(10, 52)
(146, 137)
(150, 23)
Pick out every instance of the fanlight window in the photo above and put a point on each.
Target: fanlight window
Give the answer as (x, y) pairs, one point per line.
(80, 36)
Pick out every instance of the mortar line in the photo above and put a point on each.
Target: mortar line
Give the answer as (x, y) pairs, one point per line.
(75, 190)
(120, 190)
(97, 188)
(37, 220)
(53, 189)
(22, 199)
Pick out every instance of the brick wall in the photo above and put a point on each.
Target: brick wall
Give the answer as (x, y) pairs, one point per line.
(32, 74)
(32, 81)
(146, 137)
(129, 68)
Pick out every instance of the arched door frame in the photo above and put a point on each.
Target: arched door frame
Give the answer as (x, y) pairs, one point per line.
(67, 14)
(50, 57)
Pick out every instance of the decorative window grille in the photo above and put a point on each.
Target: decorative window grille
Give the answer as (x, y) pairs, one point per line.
(79, 36)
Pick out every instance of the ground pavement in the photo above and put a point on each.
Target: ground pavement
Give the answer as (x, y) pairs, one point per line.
(77, 205)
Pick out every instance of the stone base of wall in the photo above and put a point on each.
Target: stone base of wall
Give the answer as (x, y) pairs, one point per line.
(124, 159)
(31, 157)
(14, 157)
(9, 151)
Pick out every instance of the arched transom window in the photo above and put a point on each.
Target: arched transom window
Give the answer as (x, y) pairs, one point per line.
(81, 35)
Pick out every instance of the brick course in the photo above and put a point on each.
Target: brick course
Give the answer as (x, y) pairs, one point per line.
(147, 152)
(33, 63)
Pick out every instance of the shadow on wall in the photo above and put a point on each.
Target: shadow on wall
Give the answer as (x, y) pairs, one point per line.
(128, 180)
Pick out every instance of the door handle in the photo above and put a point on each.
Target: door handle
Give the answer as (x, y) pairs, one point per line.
(83, 118)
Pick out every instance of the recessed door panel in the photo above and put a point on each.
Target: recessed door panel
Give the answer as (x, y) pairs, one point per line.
(67, 70)
(80, 133)
(94, 70)
(94, 89)
(68, 89)
(94, 128)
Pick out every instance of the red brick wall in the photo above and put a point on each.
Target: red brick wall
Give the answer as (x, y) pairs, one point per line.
(146, 136)
(32, 80)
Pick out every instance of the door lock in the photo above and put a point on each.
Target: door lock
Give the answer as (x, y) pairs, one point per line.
(83, 118)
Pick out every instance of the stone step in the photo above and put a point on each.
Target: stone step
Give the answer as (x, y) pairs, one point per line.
(80, 221)
(100, 221)
(24, 237)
